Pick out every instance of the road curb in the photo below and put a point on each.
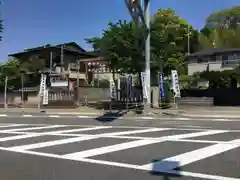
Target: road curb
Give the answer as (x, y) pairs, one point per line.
(109, 118)
(211, 116)
(80, 116)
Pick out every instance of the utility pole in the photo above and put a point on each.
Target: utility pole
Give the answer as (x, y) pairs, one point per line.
(62, 63)
(147, 51)
(51, 57)
(137, 13)
(188, 34)
(78, 73)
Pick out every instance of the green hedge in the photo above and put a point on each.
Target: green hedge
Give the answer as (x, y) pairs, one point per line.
(221, 79)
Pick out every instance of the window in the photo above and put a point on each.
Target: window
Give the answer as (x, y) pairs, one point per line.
(203, 60)
(238, 56)
(192, 60)
(213, 58)
(228, 60)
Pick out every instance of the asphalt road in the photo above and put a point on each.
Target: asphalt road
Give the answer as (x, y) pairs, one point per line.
(48, 148)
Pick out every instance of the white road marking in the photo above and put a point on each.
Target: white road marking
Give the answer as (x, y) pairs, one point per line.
(183, 173)
(182, 118)
(190, 157)
(27, 115)
(150, 118)
(79, 130)
(54, 116)
(134, 132)
(196, 134)
(108, 149)
(51, 143)
(23, 136)
(197, 141)
(12, 125)
(34, 128)
(138, 143)
(83, 116)
(202, 176)
(3, 115)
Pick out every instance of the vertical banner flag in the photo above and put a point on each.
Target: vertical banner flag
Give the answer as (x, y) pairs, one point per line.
(175, 83)
(45, 97)
(129, 87)
(161, 85)
(42, 84)
(112, 88)
(143, 76)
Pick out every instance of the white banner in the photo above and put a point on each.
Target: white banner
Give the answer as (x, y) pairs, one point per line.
(112, 89)
(42, 84)
(175, 83)
(45, 97)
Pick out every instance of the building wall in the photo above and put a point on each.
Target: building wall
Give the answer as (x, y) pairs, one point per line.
(219, 62)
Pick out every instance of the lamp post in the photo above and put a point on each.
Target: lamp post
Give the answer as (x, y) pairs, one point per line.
(141, 15)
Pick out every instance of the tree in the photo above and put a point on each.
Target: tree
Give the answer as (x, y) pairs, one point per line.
(226, 18)
(1, 28)
(122, 46)
(122, 43)
(11, 70)
(170, 40)
(222, 29)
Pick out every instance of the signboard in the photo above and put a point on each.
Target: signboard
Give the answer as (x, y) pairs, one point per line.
(45, 97)
(143, 79)
(113, 90)
(59, 84)
(42, 84)
(129, 87)
(161, 86)
(175, 83)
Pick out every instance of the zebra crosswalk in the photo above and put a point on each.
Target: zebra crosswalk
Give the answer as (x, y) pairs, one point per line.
(92, 143)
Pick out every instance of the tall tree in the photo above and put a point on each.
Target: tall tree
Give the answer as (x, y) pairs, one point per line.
(1, 29)
(122, 43)
(171, 36)
(222, 29)
(226, 18)
(1, 26)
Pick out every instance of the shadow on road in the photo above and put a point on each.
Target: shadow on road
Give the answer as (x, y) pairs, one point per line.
(162, 168)
(111, 116)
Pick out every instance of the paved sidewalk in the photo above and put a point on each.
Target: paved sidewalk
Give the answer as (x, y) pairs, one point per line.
(191, 112)
(208, 112)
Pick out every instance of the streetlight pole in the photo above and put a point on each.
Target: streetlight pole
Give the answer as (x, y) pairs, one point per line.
(147, 51)
(136, 11)
(188, 34)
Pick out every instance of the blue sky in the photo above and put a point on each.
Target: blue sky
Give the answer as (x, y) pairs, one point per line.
(30, 23)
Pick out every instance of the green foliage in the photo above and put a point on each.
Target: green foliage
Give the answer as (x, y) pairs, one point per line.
(226, 18)
(122, 43)
(103, 83)
(221, 79)
(1, 29)
(222, 29)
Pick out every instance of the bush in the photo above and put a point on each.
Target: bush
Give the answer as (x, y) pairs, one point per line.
(221, 79)
(102, 83)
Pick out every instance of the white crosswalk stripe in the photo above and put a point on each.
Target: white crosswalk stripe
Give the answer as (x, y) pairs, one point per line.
(18, 132)
(32, 128)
